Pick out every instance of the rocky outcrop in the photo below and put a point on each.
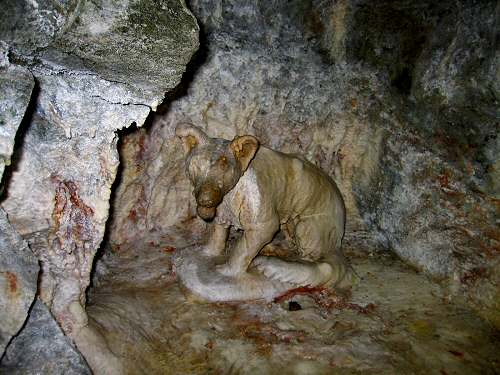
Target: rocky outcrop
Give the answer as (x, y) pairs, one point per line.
(16, 85)
(42, 348)
(18, 266)
(99, 66)
(18, 280)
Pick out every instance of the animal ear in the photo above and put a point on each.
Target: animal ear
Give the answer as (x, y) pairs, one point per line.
(191, 136)
(244, 149)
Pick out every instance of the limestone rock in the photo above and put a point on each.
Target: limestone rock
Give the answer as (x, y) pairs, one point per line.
(435, 199)
(18, 281)
(16, 85)
(42, 348)
(100, 66)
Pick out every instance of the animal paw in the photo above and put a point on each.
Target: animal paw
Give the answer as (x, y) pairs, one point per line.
(300, 274)
(227, 270)
(275, 269)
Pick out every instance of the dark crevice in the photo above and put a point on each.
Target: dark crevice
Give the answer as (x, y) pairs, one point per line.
(199, 58)
(19, 141)
(403, 81)
(28, 314)
(121, 134)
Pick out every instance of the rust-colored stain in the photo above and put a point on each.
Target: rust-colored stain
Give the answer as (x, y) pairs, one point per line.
(12, 287)
(444, 180)
(168, 249)
(132, 215)
(298, 291)
(209, 345)
(141, 150)
(457, 353)
(469, 278)
(63, 189)
(72, 220)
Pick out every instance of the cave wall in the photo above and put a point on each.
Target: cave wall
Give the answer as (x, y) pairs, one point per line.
(436, 201)
(396, 100)
(18, 266)
(97, 67)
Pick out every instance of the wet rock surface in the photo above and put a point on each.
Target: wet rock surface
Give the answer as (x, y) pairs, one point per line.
(395, 320)
(42, 348)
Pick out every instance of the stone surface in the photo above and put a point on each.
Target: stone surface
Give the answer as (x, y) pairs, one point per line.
(283, 93)
(42, 348)
(396, 321)
(435, 199)
(100, 66)
(18, 281)
(18, 266)
(397, 101)
(16, 85)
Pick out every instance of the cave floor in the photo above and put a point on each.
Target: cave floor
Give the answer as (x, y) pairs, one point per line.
(395, 321)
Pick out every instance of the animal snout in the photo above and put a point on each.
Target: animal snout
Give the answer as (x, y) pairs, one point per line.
(208, 196)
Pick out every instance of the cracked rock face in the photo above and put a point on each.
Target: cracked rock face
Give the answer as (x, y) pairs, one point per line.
(99, 67)
(18, 266)
(16, 85)
(18, 280)
(42, 348)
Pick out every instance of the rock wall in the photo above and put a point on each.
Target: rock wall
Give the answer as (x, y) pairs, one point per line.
(99, 66)
(42, 348)
(396, 100)
(435, 200)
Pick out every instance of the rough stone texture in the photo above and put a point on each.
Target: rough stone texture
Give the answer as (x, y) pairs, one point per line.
(42, 348)
(100, 66)
(398, 101)
(395, 322)
(16, 85)
(18, 266)
(18, 281)
(435, 201)
(282, 92)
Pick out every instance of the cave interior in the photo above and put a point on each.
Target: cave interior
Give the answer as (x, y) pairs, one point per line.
(396, 100)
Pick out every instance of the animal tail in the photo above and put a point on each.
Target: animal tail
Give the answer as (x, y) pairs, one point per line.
(303, 273)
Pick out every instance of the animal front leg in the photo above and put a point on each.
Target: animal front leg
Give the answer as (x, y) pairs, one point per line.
(217, 242)
(247, 247)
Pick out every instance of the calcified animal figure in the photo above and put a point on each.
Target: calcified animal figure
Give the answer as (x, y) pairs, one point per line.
(242, 184)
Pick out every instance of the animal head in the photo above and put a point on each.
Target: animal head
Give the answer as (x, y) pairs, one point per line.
(214, 165)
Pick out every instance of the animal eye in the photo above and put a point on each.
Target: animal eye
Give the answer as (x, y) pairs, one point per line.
(222, 162)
